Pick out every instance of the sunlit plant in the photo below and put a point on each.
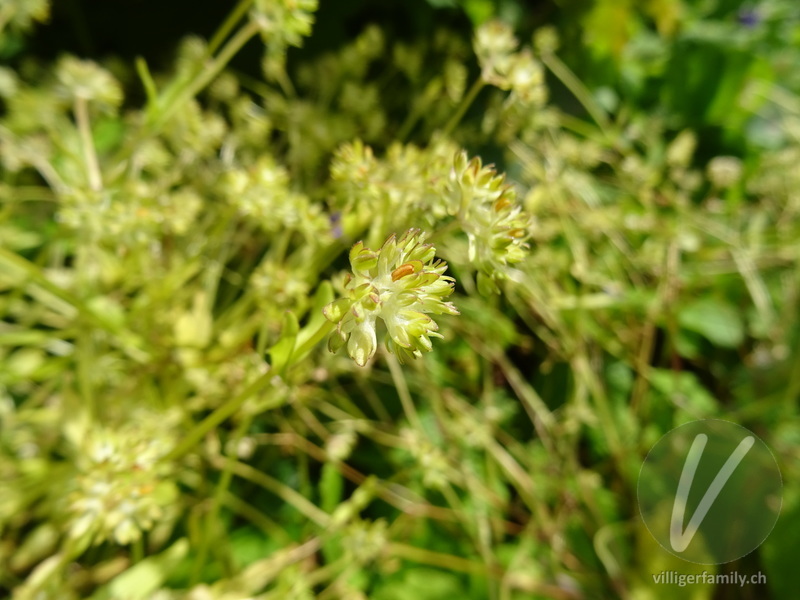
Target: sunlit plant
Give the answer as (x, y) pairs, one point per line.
(177, 248)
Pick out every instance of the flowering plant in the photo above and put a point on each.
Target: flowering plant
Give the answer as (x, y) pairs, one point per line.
(178, 242)
(401, 284)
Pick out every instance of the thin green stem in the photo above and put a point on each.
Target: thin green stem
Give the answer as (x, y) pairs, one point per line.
(89, 151)
(130, 343)
(228, 24)
(283, 491)
(137, 550)
(402, 390)
(465, 104)
(575, 85)
(439, 559)
(268, 526)
(147, 80)
(216, 503)
(222, 413)
(208, 74)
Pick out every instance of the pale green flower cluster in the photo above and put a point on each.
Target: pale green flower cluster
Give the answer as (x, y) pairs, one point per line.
(21, 14)
(86, 80)
(279, 285)
(495, 224)
(507, 68)
(407, 185)
(121, 488)
(432, 185)
(262, 194)
(136, 213)
(282, 23)
(401, 284)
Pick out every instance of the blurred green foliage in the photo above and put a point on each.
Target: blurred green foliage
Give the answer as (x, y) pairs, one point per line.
(174, 252)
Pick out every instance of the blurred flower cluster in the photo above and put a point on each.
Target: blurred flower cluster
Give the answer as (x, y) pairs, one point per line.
(122, 487)
(282, 23)
(261, 194)
(406, 186)
(506, 67)
(174, 254)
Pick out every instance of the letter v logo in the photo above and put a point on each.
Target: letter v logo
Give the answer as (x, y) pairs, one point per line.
(680, 539)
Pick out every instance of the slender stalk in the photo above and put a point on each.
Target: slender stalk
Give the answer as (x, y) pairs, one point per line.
(137, 550)
(208, 74)
(402, 390)
(221, 414)
(89, 151)
(575, 85)
(439, 559)
(147, 80)
(219, 495)
(465, 104)
(228, 24)
(284, 492)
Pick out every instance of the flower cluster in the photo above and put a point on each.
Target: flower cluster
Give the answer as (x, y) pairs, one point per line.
(86, 80)
(122, 487)
(407, 185)
(279, 286)
(262, 194)
(411, 185)
(132, 214)
(283, 23)
(21, 14)
(401, 284)
(505, 67)
(496, 226)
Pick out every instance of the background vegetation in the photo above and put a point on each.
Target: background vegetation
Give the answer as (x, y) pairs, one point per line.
(180, 184)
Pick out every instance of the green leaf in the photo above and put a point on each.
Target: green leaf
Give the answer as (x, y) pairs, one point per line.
(19, 239)
(779, 553)
(108, 134)
(684, 389)
(423, 584)
(318, 326)
(479, 11)
(145, 577)
(716, 320)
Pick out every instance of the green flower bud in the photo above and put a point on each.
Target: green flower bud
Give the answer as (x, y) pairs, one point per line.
(402, 285)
